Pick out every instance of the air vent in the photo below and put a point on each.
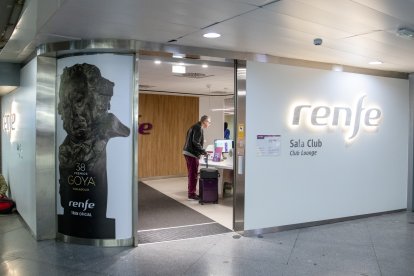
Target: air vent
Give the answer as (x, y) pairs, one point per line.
(193, 75)
(406, 32)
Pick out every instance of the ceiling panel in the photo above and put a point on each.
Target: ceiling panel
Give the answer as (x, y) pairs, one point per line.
(218, 80)
(399, 9)
(399, 44)
(288, 23)
(156, 20)
(292, 36)
(348, 11)
(278, 35)
(337, 20)
(353, 31)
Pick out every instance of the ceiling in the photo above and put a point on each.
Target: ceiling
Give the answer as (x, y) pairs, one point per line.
(212, 79)
(10, 11)
(354, 32)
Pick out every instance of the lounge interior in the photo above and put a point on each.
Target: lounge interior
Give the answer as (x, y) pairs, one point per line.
(171, 99)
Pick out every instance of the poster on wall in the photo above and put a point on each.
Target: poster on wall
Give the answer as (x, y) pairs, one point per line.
(267, 145)
(84, 107)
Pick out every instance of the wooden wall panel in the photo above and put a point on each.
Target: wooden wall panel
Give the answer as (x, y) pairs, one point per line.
(160, 152)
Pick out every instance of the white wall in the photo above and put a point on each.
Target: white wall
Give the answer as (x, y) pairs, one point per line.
(216, 129)
(367, 175)
(18, 145)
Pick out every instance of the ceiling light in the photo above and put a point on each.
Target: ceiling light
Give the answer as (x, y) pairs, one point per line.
(178, 56)
(211, 35)
(178, 69)
(157, 61)
(405, 32)
(375, 62)
(204, 66)
(223, 109)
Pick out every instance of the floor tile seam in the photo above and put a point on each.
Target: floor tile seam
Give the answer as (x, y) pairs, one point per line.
(274, 244)
(179, 250)
(333, 267)
(65, 255)
(222, 255)
(55, 265)
(294, 246)
(277, 242)
(373, 247)
(241, 259)
(78, 267)
(393, 248)
(398, 268)
(198, 259)
(11, 230)
(366, 244)
(43, 262)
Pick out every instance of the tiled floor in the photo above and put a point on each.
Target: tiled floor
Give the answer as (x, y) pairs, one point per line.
(382, 245)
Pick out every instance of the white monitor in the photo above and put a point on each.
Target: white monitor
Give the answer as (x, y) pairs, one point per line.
(226, 145)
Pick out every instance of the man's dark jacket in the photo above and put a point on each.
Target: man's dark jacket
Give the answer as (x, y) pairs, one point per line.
(195, 140)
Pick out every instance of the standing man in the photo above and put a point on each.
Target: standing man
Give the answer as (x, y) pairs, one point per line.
(193, 149)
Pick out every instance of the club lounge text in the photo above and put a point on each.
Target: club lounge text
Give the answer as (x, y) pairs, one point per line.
(309, 147)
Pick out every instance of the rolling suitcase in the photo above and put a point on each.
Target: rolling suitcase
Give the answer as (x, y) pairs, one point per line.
(208, 185)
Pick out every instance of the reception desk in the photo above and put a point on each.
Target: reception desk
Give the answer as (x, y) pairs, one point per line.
(225, 168)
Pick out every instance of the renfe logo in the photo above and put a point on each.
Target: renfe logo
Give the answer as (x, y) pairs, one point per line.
(85, 205)
(325, 116)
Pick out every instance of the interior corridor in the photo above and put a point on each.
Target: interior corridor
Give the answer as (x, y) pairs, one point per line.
(381, 245)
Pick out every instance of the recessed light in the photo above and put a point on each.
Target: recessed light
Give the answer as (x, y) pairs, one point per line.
(204, 66)
(178, 69)
(337, 68)
(375, 62)
(157, 61)
(211, 35)
(178, 56)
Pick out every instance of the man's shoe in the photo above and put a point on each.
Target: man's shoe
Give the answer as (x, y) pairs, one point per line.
(194, 197)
